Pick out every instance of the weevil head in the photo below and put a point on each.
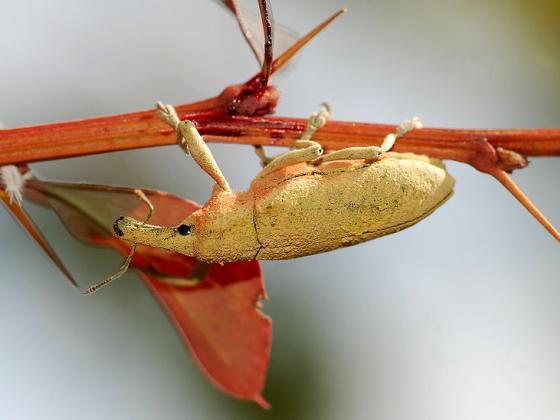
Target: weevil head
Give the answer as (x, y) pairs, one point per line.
(222, 231)
(178, 238)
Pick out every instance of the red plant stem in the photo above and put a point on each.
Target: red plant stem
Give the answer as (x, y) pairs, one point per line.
(91, 136)
(144, 129)
(443, 143)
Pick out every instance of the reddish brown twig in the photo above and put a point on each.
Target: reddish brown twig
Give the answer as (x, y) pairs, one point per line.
(144, 129)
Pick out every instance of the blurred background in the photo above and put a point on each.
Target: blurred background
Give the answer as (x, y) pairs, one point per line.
(456, 317)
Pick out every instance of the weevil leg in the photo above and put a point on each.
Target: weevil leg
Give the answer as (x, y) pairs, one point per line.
(316, 121)
(260, 152)
(192, 143)
(371, 153)
(310, 151)
(303, 150)
(198, 274)
(266, 160)
(401, 131)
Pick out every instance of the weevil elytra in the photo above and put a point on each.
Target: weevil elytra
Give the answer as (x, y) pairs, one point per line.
(303, 202)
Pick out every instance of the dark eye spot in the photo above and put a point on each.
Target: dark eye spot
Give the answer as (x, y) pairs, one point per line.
(184, 230)
(116, 227)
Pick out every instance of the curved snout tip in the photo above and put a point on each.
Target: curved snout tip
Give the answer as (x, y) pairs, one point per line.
(132, 230)
(116, 228)
(124, 227)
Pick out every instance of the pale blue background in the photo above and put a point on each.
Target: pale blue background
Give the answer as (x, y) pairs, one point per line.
(457, 317)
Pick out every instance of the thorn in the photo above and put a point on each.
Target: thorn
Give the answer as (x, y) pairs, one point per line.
(31, 229)
(518, 193)
(300, 43)
(262, 402)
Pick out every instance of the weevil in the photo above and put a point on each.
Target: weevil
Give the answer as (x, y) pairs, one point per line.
(303, 202)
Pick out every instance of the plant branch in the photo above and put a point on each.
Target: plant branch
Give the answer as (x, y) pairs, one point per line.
(144, 129)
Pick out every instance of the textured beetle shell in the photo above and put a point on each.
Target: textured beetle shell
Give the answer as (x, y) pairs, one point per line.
(304, 209)
(224, 228)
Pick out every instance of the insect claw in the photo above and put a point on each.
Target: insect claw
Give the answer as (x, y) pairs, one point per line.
(168, 114)
(404, 128)
(316, 121)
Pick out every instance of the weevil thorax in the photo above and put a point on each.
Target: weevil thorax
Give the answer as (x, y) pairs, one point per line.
(223, 229)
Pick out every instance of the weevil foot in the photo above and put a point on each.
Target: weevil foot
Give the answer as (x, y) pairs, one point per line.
(303, 150)
(316, 121)
(261, 153)
(371, 153)
(404, 128)
(192, 144)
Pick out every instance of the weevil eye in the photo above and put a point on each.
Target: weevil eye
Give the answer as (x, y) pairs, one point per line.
(184, 230)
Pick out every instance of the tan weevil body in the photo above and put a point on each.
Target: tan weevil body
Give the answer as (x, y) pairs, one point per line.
(303, 202)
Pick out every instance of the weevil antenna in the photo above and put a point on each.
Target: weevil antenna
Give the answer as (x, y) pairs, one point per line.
(126, 263)
(518, 193)
(300, 43)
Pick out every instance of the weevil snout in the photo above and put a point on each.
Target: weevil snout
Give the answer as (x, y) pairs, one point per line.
(118, 231)
(178, 238)
(125, 227)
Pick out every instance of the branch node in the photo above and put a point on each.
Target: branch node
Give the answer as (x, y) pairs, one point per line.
(510, 160)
